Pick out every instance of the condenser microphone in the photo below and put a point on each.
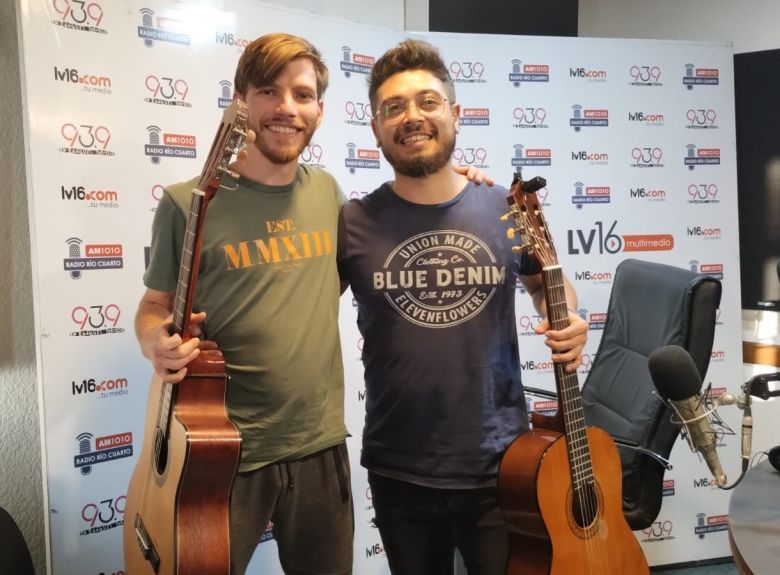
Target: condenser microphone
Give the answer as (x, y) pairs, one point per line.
(677, 380)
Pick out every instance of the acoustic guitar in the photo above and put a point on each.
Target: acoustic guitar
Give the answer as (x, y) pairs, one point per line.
(560, 483)
(176, 517)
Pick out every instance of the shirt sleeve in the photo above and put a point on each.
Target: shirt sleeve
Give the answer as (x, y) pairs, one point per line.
(168, 228)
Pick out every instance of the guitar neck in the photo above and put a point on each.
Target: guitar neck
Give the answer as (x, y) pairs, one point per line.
(566, 383)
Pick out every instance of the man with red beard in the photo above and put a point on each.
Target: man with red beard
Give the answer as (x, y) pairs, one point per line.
(269, 283)
(434, 277)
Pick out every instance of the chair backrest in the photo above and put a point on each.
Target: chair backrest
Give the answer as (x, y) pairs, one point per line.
(651, 305)
(14, 554)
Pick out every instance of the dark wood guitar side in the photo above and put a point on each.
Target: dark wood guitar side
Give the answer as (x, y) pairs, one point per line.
(176, 516)
(560, 484)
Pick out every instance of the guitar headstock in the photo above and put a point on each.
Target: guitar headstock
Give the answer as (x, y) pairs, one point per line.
(529, 221)
(230, 137)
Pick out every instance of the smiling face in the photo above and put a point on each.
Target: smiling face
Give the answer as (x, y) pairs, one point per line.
(285, 112)
(417, 143)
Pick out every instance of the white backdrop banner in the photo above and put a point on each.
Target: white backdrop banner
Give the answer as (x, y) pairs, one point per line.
(635, 138)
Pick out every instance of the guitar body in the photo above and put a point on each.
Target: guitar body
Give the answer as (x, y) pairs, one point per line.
(536, 496)
(183, 510)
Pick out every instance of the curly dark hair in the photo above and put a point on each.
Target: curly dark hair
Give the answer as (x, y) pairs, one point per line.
(409, 55)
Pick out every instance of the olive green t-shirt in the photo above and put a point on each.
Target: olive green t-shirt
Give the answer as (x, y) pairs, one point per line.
(269, 285)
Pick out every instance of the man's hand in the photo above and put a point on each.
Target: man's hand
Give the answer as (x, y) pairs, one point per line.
(169, 355)
(473, 174)
(566, 344)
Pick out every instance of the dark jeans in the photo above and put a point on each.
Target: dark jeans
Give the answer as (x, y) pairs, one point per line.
(422, 526)
(308, 501)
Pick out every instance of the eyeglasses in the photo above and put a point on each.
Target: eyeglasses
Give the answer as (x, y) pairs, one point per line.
(428, 104)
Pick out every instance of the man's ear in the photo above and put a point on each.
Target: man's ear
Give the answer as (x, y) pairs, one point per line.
(321, 105)
(376, 132)
(456, 110)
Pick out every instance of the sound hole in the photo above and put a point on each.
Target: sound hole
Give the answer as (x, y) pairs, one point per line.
(584, 505)
(160, 451)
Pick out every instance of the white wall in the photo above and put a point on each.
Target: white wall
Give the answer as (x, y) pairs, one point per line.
(750, 24)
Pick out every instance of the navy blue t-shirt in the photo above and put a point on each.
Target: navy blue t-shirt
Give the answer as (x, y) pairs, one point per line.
(435, 290)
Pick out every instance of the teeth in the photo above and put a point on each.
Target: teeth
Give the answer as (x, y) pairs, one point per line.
(413, 139)
(282, 129)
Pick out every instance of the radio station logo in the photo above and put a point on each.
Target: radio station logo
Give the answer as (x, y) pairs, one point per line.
(463, 72)
(700, 76)
(668, 488)
(647, 157)
(545, 407)
(596, 320)
(475, 117)
(701, 156)
(268, 534)
(96, 320)
(589, 195)
(658, 531)
(593, 277)
(592, 158)
(522, 73)
(357, 113)
(439, 279)
(529, 117)
(701, 119)
(588, 74)
(712, 270)
(476, 157)
(375, 550)
(587, 362)
(90, 198)
(79, 15)
(104, 515)
(105, 448)
(164, 145)
(542, 194)
(229, 39)
(101, 389)
(361, 158)
(86, 140)
(588, 118)
(704, 233)
(83, 257)
(86, 82)
(601, 240)
(644, 75)
(156, 191)
(354, 62)
(157, 28)
(225, 97)
(312, 155)
(537, 366)
(718, 355)
(703, 194)
(651, 195)
(527, 324)
(710, 524)
(167, 91)
(646, 118)
(531, 156)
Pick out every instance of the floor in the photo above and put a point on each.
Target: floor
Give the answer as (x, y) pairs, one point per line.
(719, 569)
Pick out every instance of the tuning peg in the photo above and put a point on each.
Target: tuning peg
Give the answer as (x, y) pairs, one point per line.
(510, 233)
(506, 216)
(518, 249)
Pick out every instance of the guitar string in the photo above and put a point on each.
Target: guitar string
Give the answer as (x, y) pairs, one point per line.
(587, 499)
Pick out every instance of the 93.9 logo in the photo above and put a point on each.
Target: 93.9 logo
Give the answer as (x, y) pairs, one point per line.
(645, 75)
(702, 193)
(87, 139)
(530, 117)
(358, 113)
(96, 320)
(470, 156)
(659, 530)
(467, 71)
(167, 91)
(701, 118)
(312, 154)
(79, 14)
(103, 515)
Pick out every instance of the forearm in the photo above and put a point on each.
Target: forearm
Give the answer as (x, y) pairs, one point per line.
(148, 319)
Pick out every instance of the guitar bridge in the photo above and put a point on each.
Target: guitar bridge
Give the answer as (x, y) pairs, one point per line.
(146, 545)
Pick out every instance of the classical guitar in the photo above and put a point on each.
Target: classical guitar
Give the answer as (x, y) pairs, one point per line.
(560, 483)
(176, 517)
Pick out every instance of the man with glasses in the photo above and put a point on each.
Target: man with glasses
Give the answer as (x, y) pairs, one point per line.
(434, 277)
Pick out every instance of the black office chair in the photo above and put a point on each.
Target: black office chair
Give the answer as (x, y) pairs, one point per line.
(14, 554)
(651, 305)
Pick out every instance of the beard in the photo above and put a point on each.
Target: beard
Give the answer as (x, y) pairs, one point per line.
(277, 154)
(422, 164)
